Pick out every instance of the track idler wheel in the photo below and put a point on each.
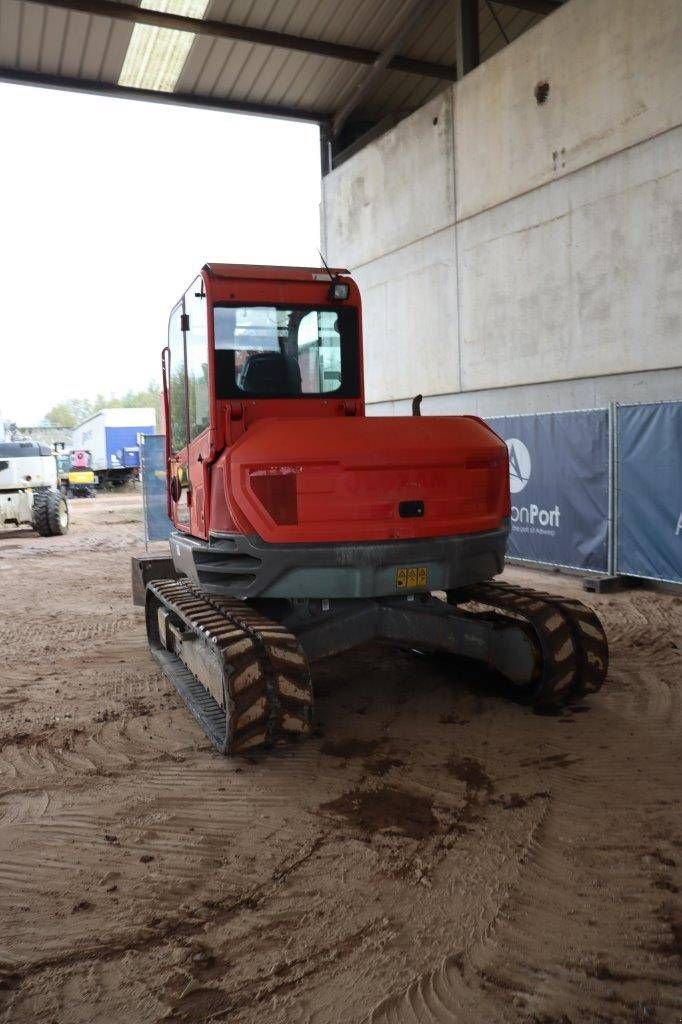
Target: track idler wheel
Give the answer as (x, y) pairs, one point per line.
(572, 646)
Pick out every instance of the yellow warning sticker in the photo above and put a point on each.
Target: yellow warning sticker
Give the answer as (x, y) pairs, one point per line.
(411, 578)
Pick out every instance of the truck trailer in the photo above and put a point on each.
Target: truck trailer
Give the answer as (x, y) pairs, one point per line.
(112, 436)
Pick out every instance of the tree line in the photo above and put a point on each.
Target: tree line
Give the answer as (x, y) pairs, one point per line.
(73, 411)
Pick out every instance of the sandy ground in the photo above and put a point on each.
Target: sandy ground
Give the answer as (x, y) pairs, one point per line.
(435, 853)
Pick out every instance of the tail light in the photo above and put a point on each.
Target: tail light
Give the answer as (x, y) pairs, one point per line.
(498, 477)
(276, 491)
(507, 490)
(482, 462)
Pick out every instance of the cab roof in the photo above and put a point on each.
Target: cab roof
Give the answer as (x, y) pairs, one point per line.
(270, 273)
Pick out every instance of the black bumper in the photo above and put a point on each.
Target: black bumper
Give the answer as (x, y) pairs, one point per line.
(245, 567)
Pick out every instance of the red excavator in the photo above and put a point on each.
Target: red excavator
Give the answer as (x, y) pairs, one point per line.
(304, 527)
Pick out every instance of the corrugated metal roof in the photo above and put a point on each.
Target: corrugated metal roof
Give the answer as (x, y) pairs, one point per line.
(72, 48)
(51, 41)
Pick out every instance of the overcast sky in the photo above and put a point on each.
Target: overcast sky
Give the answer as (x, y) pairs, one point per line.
(109, 209)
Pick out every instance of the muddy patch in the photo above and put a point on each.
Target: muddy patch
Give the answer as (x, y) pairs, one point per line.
(551, 761)
(350, 748)
(513, 801)
(472, 773)
(672, 917)
(385, 809)
(200, 1004)
(383, 765)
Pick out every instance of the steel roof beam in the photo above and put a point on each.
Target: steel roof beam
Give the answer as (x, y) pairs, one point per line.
(407, 21)
(258, 36)
(98, 88)
(534, 6)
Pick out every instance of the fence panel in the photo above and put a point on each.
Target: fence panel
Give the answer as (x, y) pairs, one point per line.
(649, 499)
(559, 475)
(153, 467)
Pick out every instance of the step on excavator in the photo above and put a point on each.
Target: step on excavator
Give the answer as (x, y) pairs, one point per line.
(303, 527)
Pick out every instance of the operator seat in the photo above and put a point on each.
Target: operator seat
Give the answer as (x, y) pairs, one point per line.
(271, 373)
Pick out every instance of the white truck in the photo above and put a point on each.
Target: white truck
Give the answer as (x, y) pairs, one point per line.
(29, 489)
(112, 437)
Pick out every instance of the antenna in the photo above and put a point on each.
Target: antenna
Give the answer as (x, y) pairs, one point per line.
(339, 289)
(324, 262)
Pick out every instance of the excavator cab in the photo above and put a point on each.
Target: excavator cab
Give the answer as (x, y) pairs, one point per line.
(303, 527)
(251, 343)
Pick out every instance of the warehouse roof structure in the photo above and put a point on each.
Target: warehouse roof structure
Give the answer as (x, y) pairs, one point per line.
(355, 68)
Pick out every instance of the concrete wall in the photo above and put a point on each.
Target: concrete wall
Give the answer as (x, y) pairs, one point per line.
(516, 256)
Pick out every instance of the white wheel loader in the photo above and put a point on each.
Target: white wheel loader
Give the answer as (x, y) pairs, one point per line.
(29, 489)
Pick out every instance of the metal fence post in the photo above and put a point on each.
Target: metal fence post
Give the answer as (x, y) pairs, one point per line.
(612, 460)
(143, 470)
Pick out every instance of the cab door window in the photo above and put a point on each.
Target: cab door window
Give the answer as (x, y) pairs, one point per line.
(177, 382)
(318, 345)
(196, 342)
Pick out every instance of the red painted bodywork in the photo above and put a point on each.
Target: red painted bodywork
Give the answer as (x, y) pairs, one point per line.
(317, 470)
(80, 459)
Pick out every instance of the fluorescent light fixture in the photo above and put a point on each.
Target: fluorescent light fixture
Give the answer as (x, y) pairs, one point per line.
(156, 56)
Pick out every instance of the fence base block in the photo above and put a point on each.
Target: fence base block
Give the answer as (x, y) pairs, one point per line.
(147, 569)
(606, 584)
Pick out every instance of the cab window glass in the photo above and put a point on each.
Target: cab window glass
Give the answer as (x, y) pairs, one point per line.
(176, 384)
(196, 340)
(275, 350)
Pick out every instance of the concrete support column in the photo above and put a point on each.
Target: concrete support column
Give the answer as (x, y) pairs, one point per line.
(325, 150)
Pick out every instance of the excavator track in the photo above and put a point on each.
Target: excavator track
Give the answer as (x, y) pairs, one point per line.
(244, 677)
(573, 650)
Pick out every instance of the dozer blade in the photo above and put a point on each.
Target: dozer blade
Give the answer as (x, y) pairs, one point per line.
(244, 678)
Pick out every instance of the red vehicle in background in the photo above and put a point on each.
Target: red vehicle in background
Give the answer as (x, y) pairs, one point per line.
(76, 476)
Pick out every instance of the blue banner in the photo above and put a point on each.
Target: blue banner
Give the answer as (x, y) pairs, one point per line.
(650, 491)
(559, 479)
(153, 470)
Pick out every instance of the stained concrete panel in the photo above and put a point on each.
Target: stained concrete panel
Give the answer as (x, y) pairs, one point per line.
(614, 69)
(410, 320)
(579, 278)
(564, 249)
(399, 188)
(554, 396)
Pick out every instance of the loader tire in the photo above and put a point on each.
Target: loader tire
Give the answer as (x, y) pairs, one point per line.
(57, 513)
(41, 513)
